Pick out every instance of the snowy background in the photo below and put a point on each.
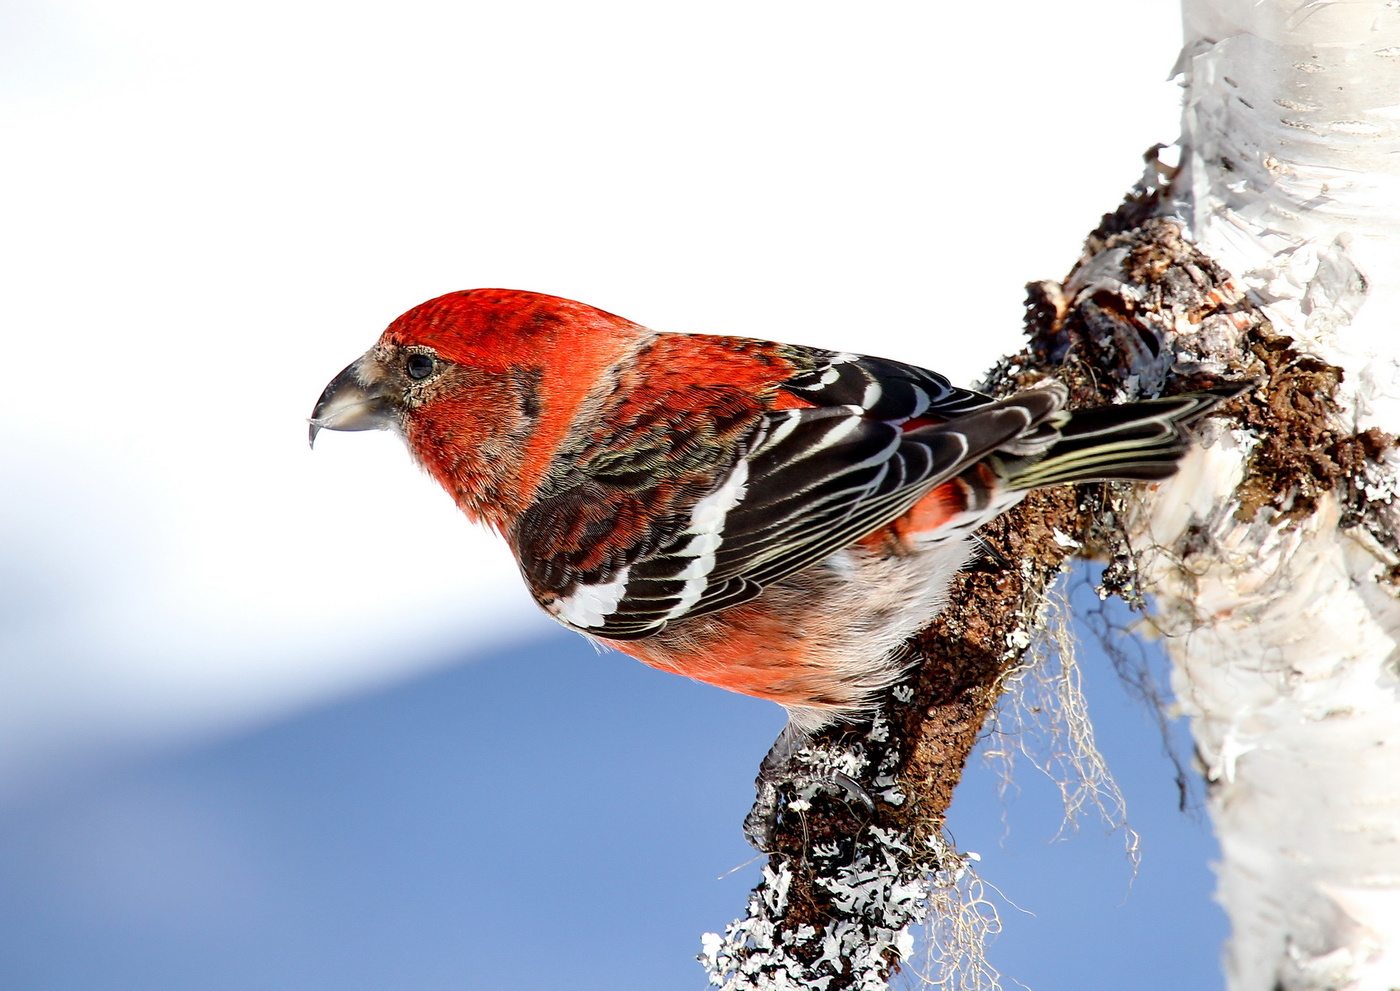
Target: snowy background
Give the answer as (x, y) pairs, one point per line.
(276, 719)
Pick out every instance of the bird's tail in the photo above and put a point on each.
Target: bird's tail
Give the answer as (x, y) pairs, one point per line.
(1140, 441)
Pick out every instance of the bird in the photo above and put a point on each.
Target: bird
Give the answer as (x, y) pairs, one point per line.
(769, 518)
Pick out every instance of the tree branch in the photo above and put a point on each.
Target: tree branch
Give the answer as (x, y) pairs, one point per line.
(1273, 557)
(843, 886)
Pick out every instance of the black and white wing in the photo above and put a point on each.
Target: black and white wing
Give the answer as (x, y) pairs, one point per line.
(804, 482)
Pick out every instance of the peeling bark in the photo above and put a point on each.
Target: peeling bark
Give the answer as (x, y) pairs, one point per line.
(911, 758)
(1273, 558)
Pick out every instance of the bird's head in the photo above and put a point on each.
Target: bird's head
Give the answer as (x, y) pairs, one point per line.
(483, 385)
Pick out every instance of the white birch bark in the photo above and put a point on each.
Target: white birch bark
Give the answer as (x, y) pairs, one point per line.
(1273, 556)
(1284, 631)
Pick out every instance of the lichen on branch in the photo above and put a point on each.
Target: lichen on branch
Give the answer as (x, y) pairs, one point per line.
(1142, 314)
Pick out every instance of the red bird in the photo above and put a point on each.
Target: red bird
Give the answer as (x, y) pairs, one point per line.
(770, 518)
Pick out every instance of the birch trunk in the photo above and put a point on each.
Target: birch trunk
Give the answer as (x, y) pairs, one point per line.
(1272, 557)
(1280, 595)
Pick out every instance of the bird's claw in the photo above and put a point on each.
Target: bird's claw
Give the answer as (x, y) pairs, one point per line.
(761, 823)
(852, 789)
(789, 768)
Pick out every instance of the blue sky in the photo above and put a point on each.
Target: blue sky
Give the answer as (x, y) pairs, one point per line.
(541, 817)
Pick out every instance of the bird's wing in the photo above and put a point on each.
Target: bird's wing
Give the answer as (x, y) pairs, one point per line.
(677, 537)
(885, 390)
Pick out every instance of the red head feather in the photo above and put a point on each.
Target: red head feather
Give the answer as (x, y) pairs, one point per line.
(500, 329)
(531, 363)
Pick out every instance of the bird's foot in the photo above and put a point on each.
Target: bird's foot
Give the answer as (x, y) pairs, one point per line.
(795, 771)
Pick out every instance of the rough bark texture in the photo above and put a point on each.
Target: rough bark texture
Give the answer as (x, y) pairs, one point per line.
(1273, 557)
(845, 883)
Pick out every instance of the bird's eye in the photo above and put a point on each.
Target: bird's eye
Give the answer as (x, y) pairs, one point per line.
(419, 366)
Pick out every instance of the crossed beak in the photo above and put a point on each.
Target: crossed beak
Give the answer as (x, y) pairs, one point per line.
(355, 400)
